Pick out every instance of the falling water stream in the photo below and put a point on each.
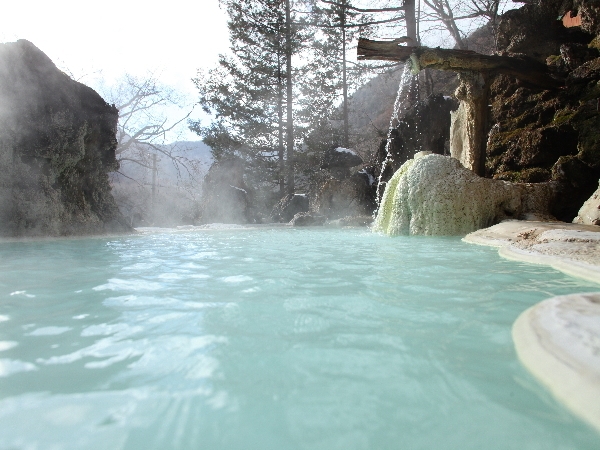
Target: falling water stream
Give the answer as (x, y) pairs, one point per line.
(403, 89)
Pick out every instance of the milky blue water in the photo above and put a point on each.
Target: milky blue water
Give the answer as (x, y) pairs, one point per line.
(271, 339)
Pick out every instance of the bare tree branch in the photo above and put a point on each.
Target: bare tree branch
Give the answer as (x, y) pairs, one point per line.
(363, 10)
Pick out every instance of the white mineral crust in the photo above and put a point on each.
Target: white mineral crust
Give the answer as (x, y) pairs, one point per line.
(558, 341)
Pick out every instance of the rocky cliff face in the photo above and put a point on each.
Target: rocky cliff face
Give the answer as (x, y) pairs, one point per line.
(57, 145)
(541, 135)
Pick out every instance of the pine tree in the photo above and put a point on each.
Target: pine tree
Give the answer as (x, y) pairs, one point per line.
(251, 92)
(329, 76)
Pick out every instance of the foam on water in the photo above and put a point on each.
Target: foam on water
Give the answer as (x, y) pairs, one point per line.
(278, 338)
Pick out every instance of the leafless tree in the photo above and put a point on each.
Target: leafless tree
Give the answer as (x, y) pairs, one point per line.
(144, 126)
(144, 130)
(457, 16)
(416, 19)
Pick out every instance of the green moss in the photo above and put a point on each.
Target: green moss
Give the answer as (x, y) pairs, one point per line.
(499, 142)
(563, 116)
(590, 92)
(588, 126)
(530, 175)
(384, 221)
(595, 43)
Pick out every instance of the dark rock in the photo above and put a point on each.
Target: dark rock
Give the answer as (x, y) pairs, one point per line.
(57, 146)
(225, 197)
(531, 148)
(577, 182)
(289, 206)
(338, 161)
(424, 127)
(533, 30)
(590, 15)
(550, 135)
(574, 55)
(306, 220)
(353, 196)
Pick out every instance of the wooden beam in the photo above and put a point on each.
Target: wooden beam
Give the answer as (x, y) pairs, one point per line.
(523, 68)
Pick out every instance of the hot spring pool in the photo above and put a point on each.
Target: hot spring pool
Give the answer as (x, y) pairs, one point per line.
(271, 339)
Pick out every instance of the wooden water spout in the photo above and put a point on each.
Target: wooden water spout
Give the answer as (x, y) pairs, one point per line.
(523, 68)
(469, 123)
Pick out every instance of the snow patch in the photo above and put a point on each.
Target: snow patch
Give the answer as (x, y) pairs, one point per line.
(345, 150)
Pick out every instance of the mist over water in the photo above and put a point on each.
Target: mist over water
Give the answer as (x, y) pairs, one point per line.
(237, 338)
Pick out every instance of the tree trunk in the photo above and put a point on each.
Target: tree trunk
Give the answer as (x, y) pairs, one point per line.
(346, 139)
(525, 69)
(289, 102)
(411, 20)
(280, 146)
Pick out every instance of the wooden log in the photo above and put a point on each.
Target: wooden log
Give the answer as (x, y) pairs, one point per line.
(523, 68)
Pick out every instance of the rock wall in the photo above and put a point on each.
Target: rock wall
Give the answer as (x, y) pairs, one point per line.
(57, 146)
(436, 195)
(541, 135)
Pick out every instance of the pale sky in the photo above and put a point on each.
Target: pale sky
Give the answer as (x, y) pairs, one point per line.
(108, 38)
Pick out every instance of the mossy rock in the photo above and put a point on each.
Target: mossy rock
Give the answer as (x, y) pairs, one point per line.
(532, 147)
(531, 175)
(573, 170)
(587, 71)
(563, 116)
(595, 43)
(587, 123)
(500, 142)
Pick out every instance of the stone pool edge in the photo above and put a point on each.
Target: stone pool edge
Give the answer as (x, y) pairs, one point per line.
(563, 246)
(558, 339)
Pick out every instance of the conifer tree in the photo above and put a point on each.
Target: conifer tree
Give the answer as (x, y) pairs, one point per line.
(329, 76)
(250, 92)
